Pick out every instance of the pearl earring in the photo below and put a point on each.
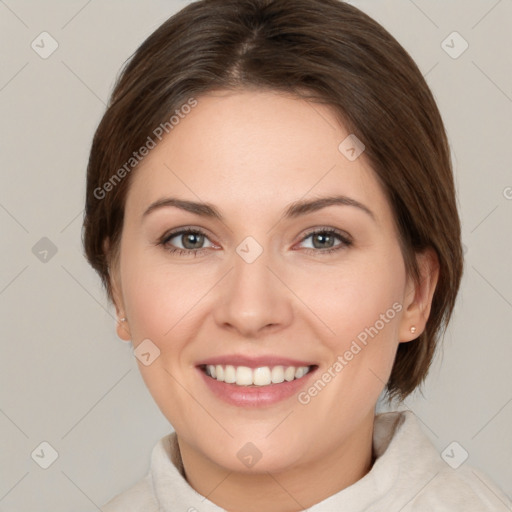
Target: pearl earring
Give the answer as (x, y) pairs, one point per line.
(413, 329)
(123, 319)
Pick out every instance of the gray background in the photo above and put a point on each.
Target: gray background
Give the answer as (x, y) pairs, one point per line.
(65, 377)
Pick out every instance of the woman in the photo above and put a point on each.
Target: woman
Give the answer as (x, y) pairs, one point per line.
(271, 208)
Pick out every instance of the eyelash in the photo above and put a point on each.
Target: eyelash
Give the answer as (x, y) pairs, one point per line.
(345, 241)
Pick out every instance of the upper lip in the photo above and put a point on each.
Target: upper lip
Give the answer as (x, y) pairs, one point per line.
(253, 362)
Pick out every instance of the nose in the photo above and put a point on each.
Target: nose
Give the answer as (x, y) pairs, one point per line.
(253, 300)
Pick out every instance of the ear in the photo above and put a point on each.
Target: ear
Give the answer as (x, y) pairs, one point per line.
(122, 328)
(418, 296)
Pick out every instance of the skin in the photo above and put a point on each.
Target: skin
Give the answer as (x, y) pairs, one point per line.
(251, 154)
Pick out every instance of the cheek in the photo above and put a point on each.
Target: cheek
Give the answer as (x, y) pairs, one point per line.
(160, 304)
(362, 297)
(151, 295)
(364, 311)
(163, 301)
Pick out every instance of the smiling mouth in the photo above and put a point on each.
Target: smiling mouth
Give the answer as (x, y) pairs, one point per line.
(261, 376)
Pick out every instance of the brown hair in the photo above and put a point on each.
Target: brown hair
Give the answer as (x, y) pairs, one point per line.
(320, 50)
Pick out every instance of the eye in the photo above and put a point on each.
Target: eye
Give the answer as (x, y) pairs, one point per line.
(323, 240)
(191, 241)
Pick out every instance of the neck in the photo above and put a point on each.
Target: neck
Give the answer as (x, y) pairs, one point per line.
(289, 491)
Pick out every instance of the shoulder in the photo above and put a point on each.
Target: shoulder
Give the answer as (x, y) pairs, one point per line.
(464, 489)
(136, 498)
(426, 480)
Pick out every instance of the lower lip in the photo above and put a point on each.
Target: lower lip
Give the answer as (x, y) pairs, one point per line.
(255, 396)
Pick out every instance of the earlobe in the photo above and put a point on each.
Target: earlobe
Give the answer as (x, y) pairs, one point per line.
(419, 296)
(122, 328)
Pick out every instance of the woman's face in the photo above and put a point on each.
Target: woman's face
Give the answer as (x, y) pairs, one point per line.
(266, 282)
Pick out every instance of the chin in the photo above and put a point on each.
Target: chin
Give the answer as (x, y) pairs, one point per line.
(257, 456)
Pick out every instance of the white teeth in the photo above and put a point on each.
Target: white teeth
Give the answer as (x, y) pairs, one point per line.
(230, 374)
(243, 376)
(289, 373)
(277, 374)
(262, 376)
(300, 372)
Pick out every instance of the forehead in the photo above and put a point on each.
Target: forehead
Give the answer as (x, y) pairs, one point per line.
(254, 150)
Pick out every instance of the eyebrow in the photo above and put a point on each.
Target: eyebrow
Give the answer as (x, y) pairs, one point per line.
(294, 210)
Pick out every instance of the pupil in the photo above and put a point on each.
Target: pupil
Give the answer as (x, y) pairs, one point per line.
(190, 238)
(323, 238)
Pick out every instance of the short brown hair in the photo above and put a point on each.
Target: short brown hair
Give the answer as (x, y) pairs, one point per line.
(325, 51)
